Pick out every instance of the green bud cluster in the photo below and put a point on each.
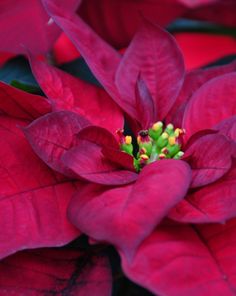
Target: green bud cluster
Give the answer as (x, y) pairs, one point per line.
(156, 143)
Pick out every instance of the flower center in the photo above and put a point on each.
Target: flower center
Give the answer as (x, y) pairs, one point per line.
(156, 143)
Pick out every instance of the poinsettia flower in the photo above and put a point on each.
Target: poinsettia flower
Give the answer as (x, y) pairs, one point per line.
(96, 158)
(125, 209)
(55, 271)
(15, 19)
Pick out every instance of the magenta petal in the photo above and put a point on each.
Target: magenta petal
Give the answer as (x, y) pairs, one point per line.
(55, 272)
(102, 59)
(33, 199)
(20, 104)
(26, 24)
(121, 158)
(52, 135)
(227, 127)
(213, 203)
(86, 160)
(186, 260)
(218, 95)
(146, 108)
(209, 158)
(193, 4)
(194, 80)
(154, 54)
(117, 21)
(99, 136)
(125, 216)
(69, 93)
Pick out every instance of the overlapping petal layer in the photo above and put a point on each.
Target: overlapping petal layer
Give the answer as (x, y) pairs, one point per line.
(211, 103)
(69, 93)
(17, 17)
(55, 272)
(133, 211)
(33, 198)
(179, 259)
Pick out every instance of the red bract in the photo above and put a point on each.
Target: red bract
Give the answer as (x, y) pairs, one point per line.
(117, 21)
(55, 272)
(201, 185)
(178, 259)
(66, 92)
(33, 198)
(17, 17)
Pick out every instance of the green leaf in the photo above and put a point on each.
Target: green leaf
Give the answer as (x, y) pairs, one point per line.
(185, 25)
(17, 72)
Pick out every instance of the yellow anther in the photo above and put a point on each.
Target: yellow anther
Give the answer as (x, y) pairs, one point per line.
(143, 150)
(128, 140)
(170, 126)
(172, 141)
(144, 157)
(138, 139)
(164, 150)
(162, 155)
(178, 131)
(157, 125)
(165, 135)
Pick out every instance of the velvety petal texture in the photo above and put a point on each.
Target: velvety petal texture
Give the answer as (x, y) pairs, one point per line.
(192, 82)
(117, 21)
(227, 127)
(17, 17)
(55, 272)
(154, 54)
(53, 134)
(210, 158)
(33, 198)
(125, 216)
(88, 160)
(102, 59)
(69, 93)
(213, 102)
(20, 104)
(192, 4)
(186, 260)
(212, 203)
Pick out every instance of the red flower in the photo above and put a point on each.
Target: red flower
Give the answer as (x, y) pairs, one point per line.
(147, 82)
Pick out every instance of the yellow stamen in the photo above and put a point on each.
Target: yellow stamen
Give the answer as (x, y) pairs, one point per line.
(138, 139)
(128, 140)
(165, 135)
(157, 125)
(172, 141)
(178, 131)
(143, 150)
(144, 157)
(164, 150)
(170, 126)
